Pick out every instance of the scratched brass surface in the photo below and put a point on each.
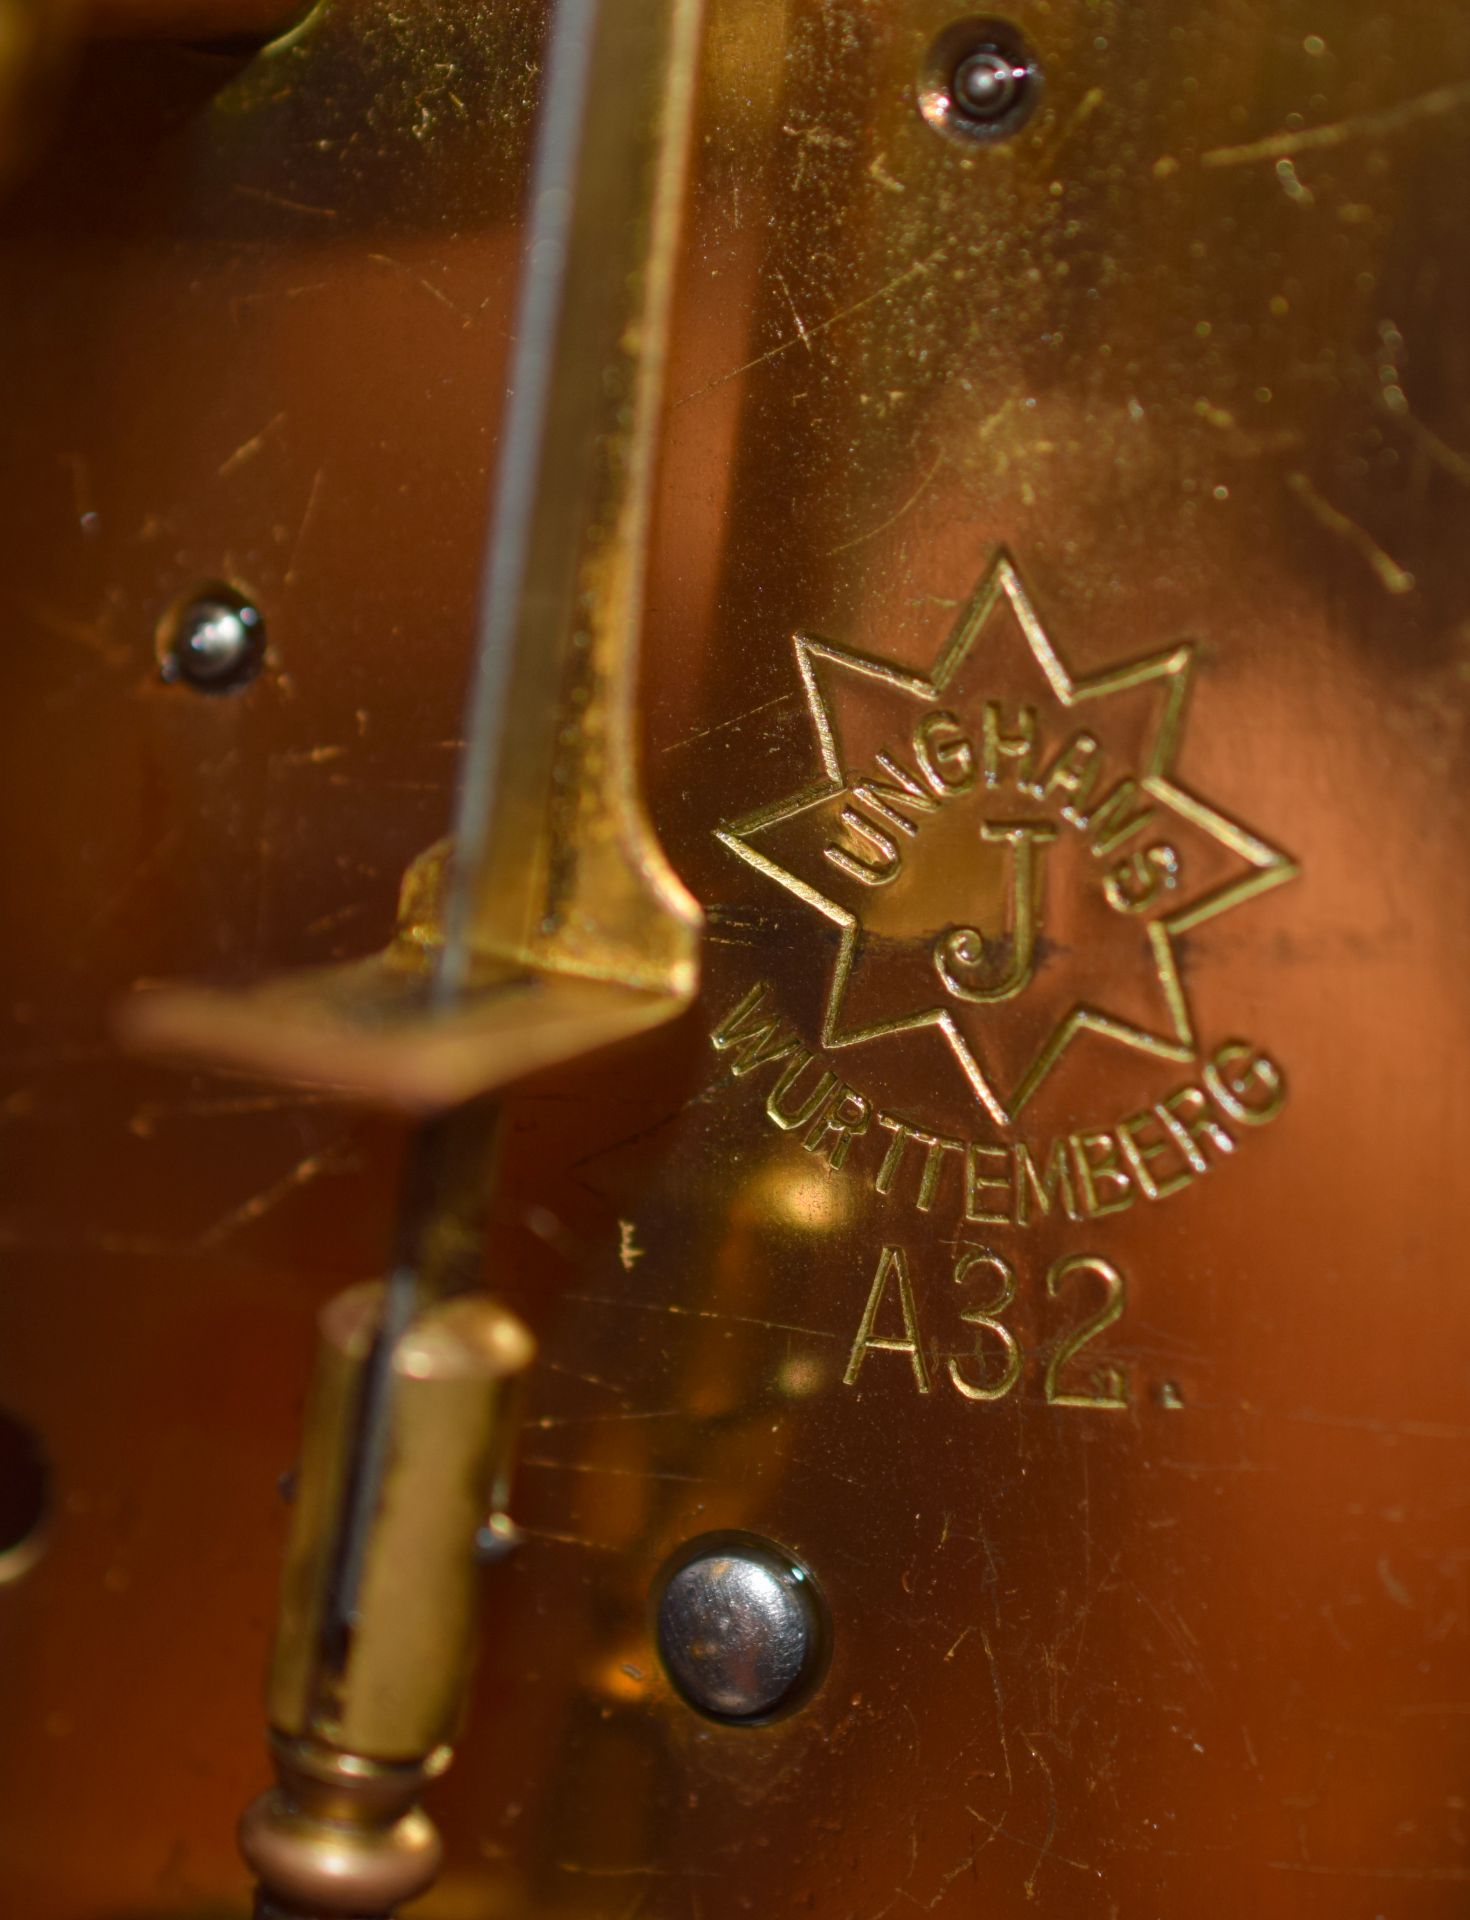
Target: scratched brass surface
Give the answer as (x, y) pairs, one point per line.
(1190, 352)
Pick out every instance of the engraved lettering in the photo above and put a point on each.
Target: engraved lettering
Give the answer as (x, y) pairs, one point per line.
(887, 797)
(1137, 883)
(997, 714)
(1109, 1383)
(935, 1146)
(1115, 819)
(1188, 1117)
(1074, 774)
(991, 1366)
(986, 1320)
(779, 1109)
(1140, 1153)
(1004, 739)
(1246, 1083)
(751, 1043)
(835, 1130)
(902, 1133)
(944, 753)
(857, 864)
(1053, 1185)
(1096, 1158)
(934, 1151)
(1152, 1153)
(977, 1183)
(966, 948)
(890, 1261)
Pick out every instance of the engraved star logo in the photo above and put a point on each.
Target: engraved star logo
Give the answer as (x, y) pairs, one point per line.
(1004, 848)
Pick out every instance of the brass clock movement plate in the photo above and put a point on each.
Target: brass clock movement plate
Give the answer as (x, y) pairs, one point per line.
(1045, 1227)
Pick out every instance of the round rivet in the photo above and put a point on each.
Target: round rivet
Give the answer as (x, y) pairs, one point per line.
(740, 1627)
(979, 81)
(986, 84)
(214, 641)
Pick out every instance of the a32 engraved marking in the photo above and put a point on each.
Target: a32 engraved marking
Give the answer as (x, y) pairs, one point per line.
(995, 1363)
(1088, 1174)
(1110, 1384)
(987, 1320)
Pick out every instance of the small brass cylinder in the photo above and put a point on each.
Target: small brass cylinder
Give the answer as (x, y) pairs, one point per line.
(366, 1689)
(395, 1694)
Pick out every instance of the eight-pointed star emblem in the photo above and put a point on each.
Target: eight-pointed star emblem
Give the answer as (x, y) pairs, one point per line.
(1004, 848)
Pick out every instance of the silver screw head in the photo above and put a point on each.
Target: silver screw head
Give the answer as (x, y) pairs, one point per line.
(980, 82)
(740, 1627)
(215, 642)
(987, 84)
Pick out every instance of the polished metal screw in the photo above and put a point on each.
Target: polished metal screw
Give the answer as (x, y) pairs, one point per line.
(740, 1628)
(214, 642)
(988, 84)
(980, 82)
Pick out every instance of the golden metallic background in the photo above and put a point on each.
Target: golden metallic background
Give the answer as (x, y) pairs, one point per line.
(1191, 348)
